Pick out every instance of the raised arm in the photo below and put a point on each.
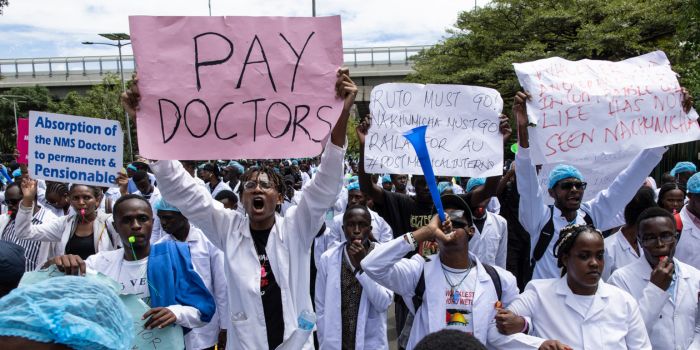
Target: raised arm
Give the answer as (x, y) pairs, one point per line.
(51, 231)
(367, 187)
(533, 211)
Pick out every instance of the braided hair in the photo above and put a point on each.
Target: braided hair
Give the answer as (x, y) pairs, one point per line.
(667, 187)
(567, 238)
(59, 188)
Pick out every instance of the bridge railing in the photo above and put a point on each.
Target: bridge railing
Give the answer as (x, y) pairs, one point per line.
(84, 65)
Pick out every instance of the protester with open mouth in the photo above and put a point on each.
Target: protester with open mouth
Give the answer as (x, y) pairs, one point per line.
(267, 255)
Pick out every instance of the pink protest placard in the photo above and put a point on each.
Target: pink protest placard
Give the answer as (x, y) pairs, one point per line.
(22, 140)
(236, 87)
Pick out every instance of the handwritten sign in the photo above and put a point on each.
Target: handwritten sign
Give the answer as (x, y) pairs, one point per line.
(591, 107)
(23, 140)
(463, 136)
(152, 339)
(599, 172)
(236, 87)
(67, 148)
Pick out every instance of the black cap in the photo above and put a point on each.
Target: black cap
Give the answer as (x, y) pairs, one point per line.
(454, 201)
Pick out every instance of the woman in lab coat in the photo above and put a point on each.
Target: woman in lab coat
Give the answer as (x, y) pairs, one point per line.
(667, 289)
(267, 255)
(340, 314)
(83, 233)
(578, 311)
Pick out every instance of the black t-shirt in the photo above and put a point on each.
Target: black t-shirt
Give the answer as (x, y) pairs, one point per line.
(403, 213)
(270, 291)
(81, 246)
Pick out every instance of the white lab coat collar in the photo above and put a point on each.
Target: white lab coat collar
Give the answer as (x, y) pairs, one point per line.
(600, 299)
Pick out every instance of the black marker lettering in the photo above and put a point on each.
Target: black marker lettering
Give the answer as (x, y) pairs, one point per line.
(296, 65)
(198, 64)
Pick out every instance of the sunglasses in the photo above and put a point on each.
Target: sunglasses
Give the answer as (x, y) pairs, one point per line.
(571, 184)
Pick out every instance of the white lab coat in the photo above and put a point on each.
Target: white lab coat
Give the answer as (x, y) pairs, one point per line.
(221, 186)
(372, 317)
(208, 261)
(491, 244)
(386, 265)
(47, 250)
(62, 229)
(669, 326)
(109, 264)
(613, 321)
(380, 228)
(603, 208)
(288, 247)
(619, 253)
(688, 247)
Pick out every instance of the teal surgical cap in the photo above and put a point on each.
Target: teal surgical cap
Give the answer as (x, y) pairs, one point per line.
(475, 182)
(386, 179)
(165, 206)
(353, 186)
(444, 185)
(683, 167)
(561, 172)
(693, 184)
(237, 166)
(78, 312)
(17, 173)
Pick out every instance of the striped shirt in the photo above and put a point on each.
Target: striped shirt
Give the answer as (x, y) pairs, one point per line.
(31, 248)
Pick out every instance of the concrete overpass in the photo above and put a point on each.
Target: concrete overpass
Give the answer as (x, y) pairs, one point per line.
(370, 66)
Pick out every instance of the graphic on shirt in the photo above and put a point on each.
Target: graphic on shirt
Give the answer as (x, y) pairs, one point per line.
(458, 309)
(264, 275)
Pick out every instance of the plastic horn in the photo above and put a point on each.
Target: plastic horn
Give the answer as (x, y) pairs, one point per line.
(416, 137)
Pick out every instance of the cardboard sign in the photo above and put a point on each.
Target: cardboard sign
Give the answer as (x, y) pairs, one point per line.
(23, 140)
(587, 107)
(79, 150)
(170, 337)
(462, 136)
(236, 87)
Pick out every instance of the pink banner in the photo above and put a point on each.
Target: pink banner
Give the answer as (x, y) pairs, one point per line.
(236, 87)
(23, 140)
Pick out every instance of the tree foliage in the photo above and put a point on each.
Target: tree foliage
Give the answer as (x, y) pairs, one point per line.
(3, 3)
(484, 43)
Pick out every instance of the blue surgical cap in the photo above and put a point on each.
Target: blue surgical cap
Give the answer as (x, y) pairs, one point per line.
(79, 312)
(17, 173)
(295, 162)
(561, 172)
(475, 182)
(683, 167)
(353, 186)
(386, 178)
(353, 179)
(237, 166)
(165, 206)
(693, 184)
(444, 185)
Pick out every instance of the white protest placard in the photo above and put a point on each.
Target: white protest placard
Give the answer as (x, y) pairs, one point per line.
(73, 149)
(463, 136)
(592, 107)
(599, 172)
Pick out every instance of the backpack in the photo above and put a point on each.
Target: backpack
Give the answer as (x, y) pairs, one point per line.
(545, 238)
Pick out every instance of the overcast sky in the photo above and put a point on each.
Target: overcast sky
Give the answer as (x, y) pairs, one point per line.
(47, 28)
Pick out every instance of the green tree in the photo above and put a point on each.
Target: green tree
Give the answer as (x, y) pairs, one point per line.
(484, 43)
(35, 98)
(3, 3)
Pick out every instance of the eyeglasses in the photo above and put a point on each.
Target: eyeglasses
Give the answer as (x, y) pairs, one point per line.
(665, 238)
(567, 186)
(251, 185)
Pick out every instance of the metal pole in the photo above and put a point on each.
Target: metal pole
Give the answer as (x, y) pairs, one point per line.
(209, 7)
(126, 115)
(14, 108)
(313, 8)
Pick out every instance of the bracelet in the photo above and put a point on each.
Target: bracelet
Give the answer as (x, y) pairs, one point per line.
(411, 240)
(524, 330)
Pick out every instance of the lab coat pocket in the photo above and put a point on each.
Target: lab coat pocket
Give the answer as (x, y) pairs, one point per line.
(243, 329)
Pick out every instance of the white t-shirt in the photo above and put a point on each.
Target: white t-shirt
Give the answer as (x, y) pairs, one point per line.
(459, 300)
(580, 303)
(132, 277)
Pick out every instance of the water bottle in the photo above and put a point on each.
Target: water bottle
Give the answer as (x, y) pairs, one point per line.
(306, 321)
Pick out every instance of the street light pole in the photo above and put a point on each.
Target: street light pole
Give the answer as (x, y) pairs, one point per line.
(119, 37)
(313, 8)
(14, 99)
